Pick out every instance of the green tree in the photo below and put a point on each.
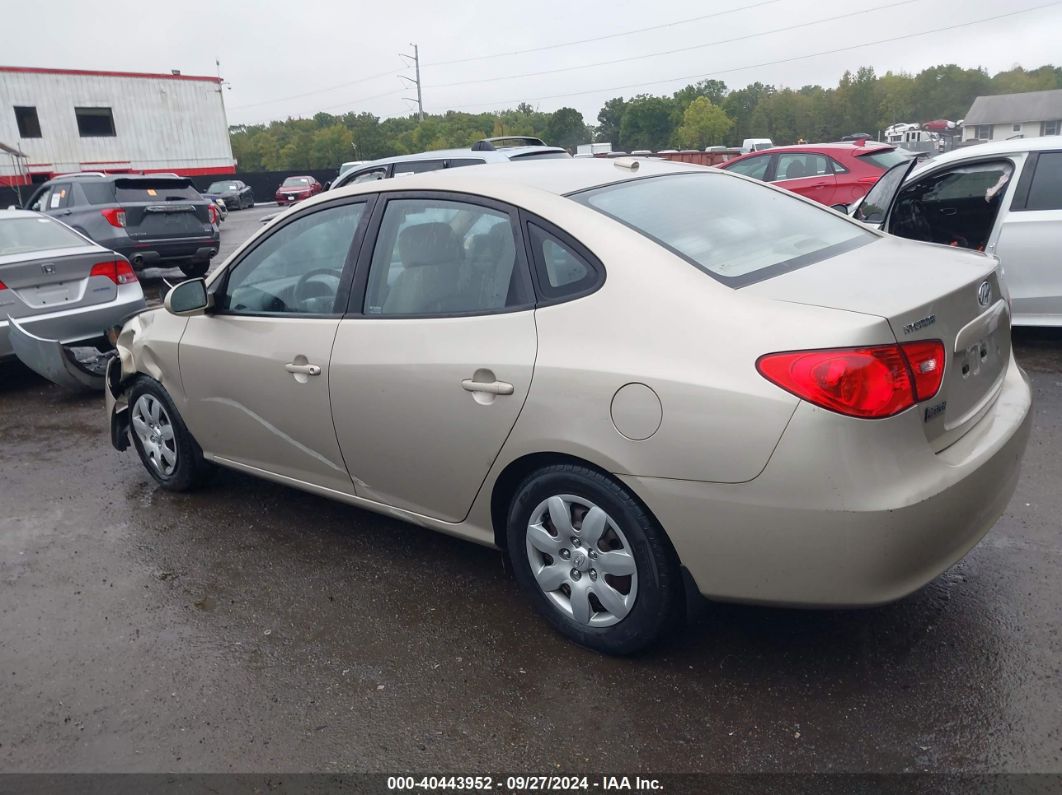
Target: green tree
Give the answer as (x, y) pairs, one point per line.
(740, 105)
(609, 120)
(703, 124)
(714, 90)
(566, 128)
(647, 123)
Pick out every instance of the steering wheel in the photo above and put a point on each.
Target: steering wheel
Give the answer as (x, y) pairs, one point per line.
(303, 291)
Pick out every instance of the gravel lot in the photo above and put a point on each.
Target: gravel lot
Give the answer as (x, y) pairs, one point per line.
(251, 627)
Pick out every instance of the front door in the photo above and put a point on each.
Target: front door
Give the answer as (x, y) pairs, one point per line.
(256, 370)
(432, 365)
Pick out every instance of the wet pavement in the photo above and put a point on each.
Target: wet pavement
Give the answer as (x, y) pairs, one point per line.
(251, 627)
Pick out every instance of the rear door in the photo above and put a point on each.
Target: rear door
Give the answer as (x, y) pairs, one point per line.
(1030, 240)
(433, 362)
(806, 173)
(162, 208)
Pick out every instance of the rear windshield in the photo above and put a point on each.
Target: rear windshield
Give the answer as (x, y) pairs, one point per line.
(738, 232)
(21, 235)
(291, 182)
(884, 158)
(222, 187)
(155, 190)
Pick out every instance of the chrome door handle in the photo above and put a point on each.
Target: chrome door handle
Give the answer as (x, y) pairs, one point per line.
(302, 369)
(488, 387)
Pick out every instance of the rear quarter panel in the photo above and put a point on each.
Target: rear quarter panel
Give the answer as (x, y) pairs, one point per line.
(660, 321)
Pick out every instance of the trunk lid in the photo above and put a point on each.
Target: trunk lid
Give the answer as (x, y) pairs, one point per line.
(925, 292)
(162, 207)
(49, 281)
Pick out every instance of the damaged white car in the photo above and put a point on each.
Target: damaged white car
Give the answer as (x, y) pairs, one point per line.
(59, 291)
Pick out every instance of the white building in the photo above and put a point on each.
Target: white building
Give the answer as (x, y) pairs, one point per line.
(66, 120)
(1026, 115)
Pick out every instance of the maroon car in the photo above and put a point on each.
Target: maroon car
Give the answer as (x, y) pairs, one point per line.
(832, 174)
(295, 189)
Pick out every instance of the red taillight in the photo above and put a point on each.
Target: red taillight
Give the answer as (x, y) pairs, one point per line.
(869, 180)
(115, 216)
(213, 213)
(118, 271)
(3, 286)
(927, 366)
(872, 382)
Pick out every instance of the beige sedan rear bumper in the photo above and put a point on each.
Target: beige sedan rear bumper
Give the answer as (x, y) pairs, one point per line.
(840, 519)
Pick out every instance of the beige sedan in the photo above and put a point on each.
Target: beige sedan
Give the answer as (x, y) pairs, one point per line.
(637, 379)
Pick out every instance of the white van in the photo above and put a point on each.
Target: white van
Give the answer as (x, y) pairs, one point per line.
(756, 144)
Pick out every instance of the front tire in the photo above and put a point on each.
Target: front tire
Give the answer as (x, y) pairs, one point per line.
(593, 561)
(165, 446)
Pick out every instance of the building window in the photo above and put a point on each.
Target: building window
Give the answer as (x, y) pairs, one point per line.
(1016, 128)
(1051, 127)
(983, 132)
(29, 126)
(94, 122)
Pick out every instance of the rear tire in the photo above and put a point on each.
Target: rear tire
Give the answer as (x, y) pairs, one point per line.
(195, 270)
(593, 561)
(165, 446)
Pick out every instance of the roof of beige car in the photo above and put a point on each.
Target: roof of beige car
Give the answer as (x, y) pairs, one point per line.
(552, 176)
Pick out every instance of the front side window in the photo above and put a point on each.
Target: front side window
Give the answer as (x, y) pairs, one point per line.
(436, 256)
(29, 126)
(798, 165)
(736, 231)
(368, 176)
(296, 270)
(956, 206)
(755, 167)
(94, 122)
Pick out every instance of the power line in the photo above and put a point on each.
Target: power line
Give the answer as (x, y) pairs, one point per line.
(630, 58)
(765, 63)
(608, 36)
(318, 90)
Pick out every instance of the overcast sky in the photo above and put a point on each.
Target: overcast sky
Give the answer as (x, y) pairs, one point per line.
(274, 53)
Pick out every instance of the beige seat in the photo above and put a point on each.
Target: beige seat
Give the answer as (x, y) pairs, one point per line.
(431, 258)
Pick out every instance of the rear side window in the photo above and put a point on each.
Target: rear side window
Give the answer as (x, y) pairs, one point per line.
(418, 167)
(97, 192)
(1046, 190)
(735, 231)
(155, 190)
(798, 165)
(457, 162)
(21, 235)
(562, 271)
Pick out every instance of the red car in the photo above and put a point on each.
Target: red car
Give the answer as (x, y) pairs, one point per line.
(295, 189)
(832, 174)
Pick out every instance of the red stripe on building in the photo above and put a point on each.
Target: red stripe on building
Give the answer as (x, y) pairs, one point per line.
(95, 73)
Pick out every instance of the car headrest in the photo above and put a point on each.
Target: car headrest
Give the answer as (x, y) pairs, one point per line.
(428, 244)
(795, 170)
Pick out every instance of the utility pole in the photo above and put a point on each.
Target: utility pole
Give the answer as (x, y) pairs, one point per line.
(415, 58)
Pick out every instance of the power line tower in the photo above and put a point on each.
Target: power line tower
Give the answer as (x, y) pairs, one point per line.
(415, 58)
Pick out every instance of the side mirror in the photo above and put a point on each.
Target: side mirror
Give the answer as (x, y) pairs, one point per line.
(841, 208)
(189, 298)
